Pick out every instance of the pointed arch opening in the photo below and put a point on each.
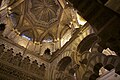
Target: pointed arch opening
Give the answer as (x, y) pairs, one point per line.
(48, 38)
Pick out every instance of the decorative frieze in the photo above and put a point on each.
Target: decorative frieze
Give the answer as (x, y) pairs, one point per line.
(17, 67)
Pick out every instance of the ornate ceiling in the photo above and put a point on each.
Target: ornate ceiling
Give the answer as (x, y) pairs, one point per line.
(40, 18)
(37, 19)
(43, 12)
(41, 23)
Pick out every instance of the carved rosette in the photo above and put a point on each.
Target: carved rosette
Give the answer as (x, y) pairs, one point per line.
(43, 12)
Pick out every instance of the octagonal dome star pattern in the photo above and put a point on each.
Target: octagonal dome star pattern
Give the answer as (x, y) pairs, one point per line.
(45, 12)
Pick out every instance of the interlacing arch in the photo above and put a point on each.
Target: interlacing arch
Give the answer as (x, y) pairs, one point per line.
(58, 70)
(96, 62)
(62, 65)
(92, 59)
(87, 43)
(66, 66)
(86, 55)
(84, 34)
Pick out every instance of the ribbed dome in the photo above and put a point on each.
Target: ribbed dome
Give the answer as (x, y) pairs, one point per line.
(44, 21)
(43, 12)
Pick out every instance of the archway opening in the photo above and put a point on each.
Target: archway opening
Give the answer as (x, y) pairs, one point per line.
(64, 63)
(97, 68)
(87, 43)
(2, 27)
(96, 71)
(109, 67)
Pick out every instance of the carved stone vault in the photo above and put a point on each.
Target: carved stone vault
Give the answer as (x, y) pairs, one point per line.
(44, 40)
(43, 12)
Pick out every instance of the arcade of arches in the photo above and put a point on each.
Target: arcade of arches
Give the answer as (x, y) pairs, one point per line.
(59, 39)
